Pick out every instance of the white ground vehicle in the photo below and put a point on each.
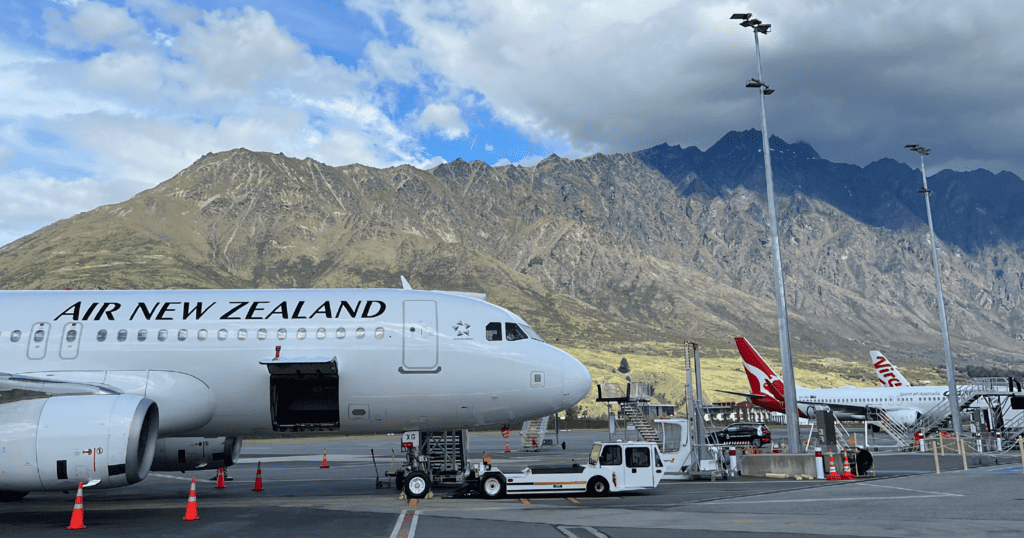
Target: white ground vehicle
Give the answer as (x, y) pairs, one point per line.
(613, 467)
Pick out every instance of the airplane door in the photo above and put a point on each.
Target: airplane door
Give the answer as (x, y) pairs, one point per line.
(37, 340)
(419, 345)
(69, 340)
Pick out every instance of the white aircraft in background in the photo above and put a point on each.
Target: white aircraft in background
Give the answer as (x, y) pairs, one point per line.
(888, 375)
(108, 385)
(901, 404)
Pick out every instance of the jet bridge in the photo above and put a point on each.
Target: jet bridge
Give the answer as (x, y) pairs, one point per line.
(303, 393)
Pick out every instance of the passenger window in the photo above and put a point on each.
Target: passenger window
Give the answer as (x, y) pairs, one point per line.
(638, 457)
(201, 334)
(321, 333)
(379, 333)
(38, 336)
(222, 334)
(243, 334)
(612, 455)
(162, 335)
(493, 331)
(142, 335)
(282, 334)
(101, 336)
(513, 332)
(182, 334)
(261, 334)
(15, 336)
(122, 335)
(72, 335)
(300, 334)
(340, 333)
(360, 332)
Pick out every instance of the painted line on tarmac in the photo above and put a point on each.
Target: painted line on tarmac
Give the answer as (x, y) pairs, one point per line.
(405, 527)
(914, 490)
(311, 457)
(575, 532)
(269, 480)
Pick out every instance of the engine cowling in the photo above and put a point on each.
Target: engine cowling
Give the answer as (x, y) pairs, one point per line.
(191, 453)
(905, 417)
(56, 442)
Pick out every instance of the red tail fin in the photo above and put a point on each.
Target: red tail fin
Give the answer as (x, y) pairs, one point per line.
(762, 378)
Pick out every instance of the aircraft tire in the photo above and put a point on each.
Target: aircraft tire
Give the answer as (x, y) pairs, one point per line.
(757, 443)
(864, 461)
(492, 486)
(11, 496)
(597, 487)
(417, 485)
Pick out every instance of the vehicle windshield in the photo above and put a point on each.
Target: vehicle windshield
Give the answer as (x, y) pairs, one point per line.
(595, 453)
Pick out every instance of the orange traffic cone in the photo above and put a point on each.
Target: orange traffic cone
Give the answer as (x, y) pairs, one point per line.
(847, 475)
(78, 514)
(324, 464)
(259, 478)
(832, 474)
(506, 447)
(220, 478)
(192, 510)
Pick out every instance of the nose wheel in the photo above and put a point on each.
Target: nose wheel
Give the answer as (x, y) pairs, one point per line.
(417, 485)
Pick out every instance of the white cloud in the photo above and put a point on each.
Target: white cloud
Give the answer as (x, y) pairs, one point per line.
(444, 118)
(488, 147)
(91, 24)
(32, 200)
(6, 156)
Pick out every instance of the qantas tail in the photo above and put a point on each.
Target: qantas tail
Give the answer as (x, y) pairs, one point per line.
(762, 378)
(888, 375)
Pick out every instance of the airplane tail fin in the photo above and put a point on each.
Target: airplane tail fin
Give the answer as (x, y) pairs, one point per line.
(888, 375)
(762, 378)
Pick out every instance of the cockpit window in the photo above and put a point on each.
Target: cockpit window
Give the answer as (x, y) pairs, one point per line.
(530, 332)
(513, 332)
(493, 331)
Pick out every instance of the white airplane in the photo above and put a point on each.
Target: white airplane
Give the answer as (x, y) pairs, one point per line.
(104, 386)
(901, 404)
(888, 375)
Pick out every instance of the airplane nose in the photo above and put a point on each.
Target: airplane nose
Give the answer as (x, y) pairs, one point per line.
(576, 381)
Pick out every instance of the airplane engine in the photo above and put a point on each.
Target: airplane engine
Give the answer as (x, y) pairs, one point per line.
(56, 442)
(905, 417)
(191, 453)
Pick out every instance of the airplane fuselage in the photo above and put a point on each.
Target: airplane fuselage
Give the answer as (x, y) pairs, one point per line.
(404, 359)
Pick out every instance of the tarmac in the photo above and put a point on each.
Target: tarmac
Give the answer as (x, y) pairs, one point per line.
(905, 498)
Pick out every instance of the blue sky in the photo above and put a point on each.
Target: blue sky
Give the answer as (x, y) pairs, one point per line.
(101, 100)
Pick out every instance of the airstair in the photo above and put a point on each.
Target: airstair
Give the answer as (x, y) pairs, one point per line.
(446, 454)
(630, 405)
(997, 394)
(533, 434)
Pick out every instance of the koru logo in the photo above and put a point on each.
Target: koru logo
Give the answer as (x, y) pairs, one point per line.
(461, 329)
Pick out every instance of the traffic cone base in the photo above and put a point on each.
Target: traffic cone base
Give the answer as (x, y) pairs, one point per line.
(324, 464)
(832, 474)
(191, 510)
(78, 514)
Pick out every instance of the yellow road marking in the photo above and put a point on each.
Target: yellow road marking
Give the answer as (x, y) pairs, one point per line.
(574, 501)
(525, 501)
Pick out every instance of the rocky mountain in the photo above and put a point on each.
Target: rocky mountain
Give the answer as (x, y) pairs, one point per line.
(664, 244)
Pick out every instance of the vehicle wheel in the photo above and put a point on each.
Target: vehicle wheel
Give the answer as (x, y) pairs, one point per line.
(492, 486)
(399, 480)
(11, 496)
(864, 461)
(597, 486)
(756, 443)
(417, 485)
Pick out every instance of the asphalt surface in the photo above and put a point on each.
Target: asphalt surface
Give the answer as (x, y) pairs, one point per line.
(301, 499)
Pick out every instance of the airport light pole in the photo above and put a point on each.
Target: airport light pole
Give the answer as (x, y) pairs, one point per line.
(788, 380)
(954, 404)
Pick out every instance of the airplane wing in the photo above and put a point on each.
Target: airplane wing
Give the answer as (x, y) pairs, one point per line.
(744, 394)
(23, 387)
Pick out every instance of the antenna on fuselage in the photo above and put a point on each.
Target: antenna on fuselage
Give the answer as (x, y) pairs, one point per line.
(405, 283)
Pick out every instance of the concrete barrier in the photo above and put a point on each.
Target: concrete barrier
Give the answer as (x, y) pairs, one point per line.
(790, 465)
